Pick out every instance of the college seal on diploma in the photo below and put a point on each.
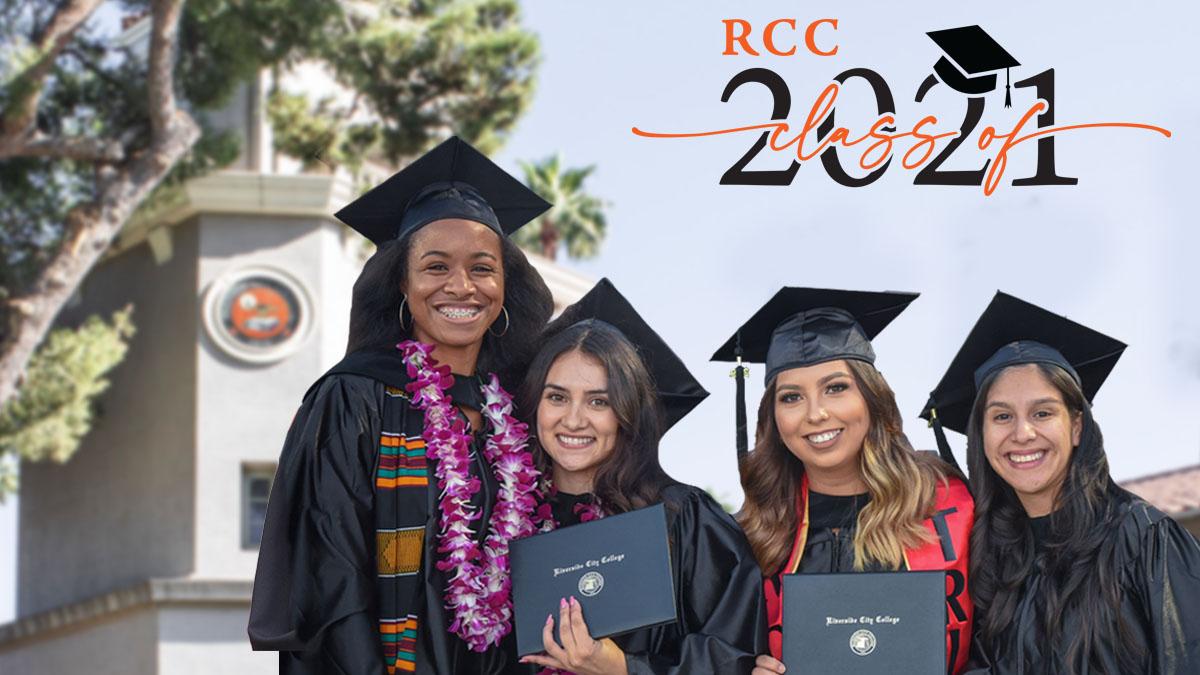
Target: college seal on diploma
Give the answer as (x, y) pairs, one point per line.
(591, 583)
(862, 642)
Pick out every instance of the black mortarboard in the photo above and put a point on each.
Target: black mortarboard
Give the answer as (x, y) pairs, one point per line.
(971, 58)
(805, 326)
(453, 180)
(1012, 332)
(678, 390)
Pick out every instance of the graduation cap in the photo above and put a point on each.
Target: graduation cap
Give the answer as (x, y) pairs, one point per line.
(678, 390)
(453, 180)
(971, 58)
(1013, 332)
(804, 326)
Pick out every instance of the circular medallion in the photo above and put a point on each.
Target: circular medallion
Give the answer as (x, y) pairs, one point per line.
(591, 583)
(862, 642)
(257, 314)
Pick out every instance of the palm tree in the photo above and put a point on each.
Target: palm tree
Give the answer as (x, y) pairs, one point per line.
(576, 219)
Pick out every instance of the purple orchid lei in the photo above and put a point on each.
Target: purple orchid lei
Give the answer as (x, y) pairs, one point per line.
(479, 593)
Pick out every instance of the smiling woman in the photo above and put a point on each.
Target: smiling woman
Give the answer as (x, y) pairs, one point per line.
(1069, 573)
(576, 424)
(832, 484)
(387, 531)
(1029, 432)
(604, 387)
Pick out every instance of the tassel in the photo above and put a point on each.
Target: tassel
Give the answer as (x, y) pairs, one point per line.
(739, 410)
(939, 434)
(1007, 90)
(739, 375)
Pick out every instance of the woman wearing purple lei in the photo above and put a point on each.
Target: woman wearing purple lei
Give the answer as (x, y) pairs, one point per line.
(404, 475)
(602, 390)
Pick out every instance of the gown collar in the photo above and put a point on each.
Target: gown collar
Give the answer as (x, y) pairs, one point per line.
(562, 505)
(830, 511)
(387, 366)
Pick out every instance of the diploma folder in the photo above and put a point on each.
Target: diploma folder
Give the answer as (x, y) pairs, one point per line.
(618, 568)
(865, 623)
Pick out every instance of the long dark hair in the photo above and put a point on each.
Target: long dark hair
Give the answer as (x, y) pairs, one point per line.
(1078, 569)
(631, 477)
(902, 483)
(375, 307)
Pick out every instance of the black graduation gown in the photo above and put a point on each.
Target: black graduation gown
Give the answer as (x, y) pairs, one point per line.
(1160, 582)
(346, 579)
(721, 625)
(827, 551)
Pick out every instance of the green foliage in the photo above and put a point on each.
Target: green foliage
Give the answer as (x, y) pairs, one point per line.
(577, 218)
(313, 138)
(34, 200)
(417, 71)
(222, 43)
(412, 72)
(54, 409)
(94, 90)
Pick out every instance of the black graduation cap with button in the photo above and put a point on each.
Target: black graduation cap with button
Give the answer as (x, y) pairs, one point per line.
(971, 60)
(678, 391)
(1014, 332)
(453, 180)
(805, 326)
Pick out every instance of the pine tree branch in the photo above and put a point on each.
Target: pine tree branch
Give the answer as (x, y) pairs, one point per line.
(92, 226)
(79, 148)
(17, 120)
(161, 83)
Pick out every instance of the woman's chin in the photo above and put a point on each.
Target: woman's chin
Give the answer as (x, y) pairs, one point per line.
(456, 337)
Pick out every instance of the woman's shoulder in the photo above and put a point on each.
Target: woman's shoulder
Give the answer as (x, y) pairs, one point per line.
(1139, 519)
(340, 393)
(346, 385)
(1143, 533)
(363, 371)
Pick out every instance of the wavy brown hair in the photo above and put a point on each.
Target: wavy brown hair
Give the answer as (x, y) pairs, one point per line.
(631, 477)
(901, 482)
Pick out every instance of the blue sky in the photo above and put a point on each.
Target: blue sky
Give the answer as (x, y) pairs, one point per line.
(1115, 252)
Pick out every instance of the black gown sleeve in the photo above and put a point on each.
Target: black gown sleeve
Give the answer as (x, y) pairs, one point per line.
(719, 594)
(1169, 575)
(314, 588)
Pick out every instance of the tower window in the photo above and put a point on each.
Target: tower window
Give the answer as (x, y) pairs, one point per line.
(256, 488)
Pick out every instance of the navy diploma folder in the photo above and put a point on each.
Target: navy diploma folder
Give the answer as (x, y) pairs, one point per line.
(618, 568)
(859, 624)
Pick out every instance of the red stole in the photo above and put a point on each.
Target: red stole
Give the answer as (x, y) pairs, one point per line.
(954, 512)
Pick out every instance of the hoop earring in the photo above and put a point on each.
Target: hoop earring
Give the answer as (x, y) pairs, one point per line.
(400, 314)
(507, 323)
